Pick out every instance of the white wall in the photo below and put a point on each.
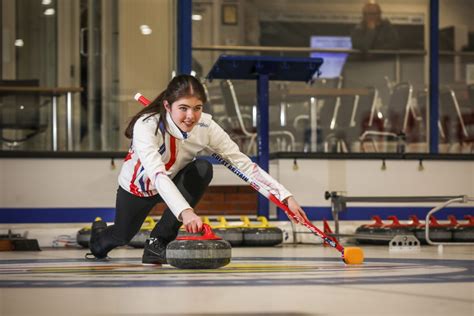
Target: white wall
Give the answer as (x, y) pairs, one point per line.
(366, 178)
(37, 183)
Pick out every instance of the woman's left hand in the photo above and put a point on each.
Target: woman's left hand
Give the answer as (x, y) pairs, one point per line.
(297, 210)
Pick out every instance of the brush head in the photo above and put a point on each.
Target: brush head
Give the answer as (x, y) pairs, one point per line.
(353, 255)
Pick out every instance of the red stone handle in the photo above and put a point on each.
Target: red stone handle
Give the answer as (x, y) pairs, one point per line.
(207, 234)
(395, 221)
(378, 222)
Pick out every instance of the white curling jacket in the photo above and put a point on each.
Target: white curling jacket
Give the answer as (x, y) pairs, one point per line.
(152, 159)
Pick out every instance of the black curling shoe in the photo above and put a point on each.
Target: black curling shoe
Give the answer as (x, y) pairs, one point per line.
(96, 250)
(155, 251)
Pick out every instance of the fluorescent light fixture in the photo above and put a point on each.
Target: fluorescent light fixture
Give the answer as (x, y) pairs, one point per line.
(46, 2)
(282, 114)
(49, 11)
(19, 42)
(196, 17)
(254, 115)
(145, 29)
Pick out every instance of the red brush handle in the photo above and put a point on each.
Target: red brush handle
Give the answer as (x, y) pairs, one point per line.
(306, 223)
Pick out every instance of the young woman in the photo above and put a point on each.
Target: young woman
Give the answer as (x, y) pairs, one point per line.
(161, 166)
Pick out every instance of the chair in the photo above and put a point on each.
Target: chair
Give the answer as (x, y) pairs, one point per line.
(209, 106)
(470, 94)
(337, 136)
(327, 108)
(395, 126)
(20, 112)
(234, 113)
(330, 104)
(451, 121)
(364, 117)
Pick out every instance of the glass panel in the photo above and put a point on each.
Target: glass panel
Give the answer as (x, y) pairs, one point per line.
(35, 32)
(111, 48)
(456, 66)
(130, 50)
(29, 56)
(373, 71)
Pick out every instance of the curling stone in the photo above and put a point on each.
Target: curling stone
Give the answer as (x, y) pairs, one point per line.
(199, 252)
(138, 241)
(438, 232)
(262, 235)
(83, 236)
(233, 235)
(464, 232)
(397, 228)
(369, 233)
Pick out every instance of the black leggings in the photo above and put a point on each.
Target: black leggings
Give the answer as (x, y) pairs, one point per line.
(131, 211)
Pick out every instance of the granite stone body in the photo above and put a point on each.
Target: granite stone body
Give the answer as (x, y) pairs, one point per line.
(463, 234)
(262, 237)
(83, 237)
(198, 254)
(233, 235)
(138, 241)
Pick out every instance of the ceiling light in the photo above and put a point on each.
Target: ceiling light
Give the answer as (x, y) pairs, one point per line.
(19, 42)
(145, 29)
(49, 11)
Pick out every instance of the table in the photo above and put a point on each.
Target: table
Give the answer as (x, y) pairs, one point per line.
(54, 93)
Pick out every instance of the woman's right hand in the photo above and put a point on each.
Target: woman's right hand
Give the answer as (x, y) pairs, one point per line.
(191, 221)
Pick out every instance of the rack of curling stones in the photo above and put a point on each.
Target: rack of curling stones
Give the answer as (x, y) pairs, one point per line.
(233, 235)
(450, 231)
(246, 233)
(205, 251)
(83, 236)
(252, 235)
(139, 240)
(262, 234)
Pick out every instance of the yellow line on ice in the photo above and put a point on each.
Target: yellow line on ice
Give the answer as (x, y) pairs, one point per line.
(140, 269)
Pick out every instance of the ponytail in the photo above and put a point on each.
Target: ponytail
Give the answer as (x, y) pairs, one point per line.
(156, 106)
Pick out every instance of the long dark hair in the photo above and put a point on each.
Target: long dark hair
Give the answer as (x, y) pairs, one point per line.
(181, 86)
